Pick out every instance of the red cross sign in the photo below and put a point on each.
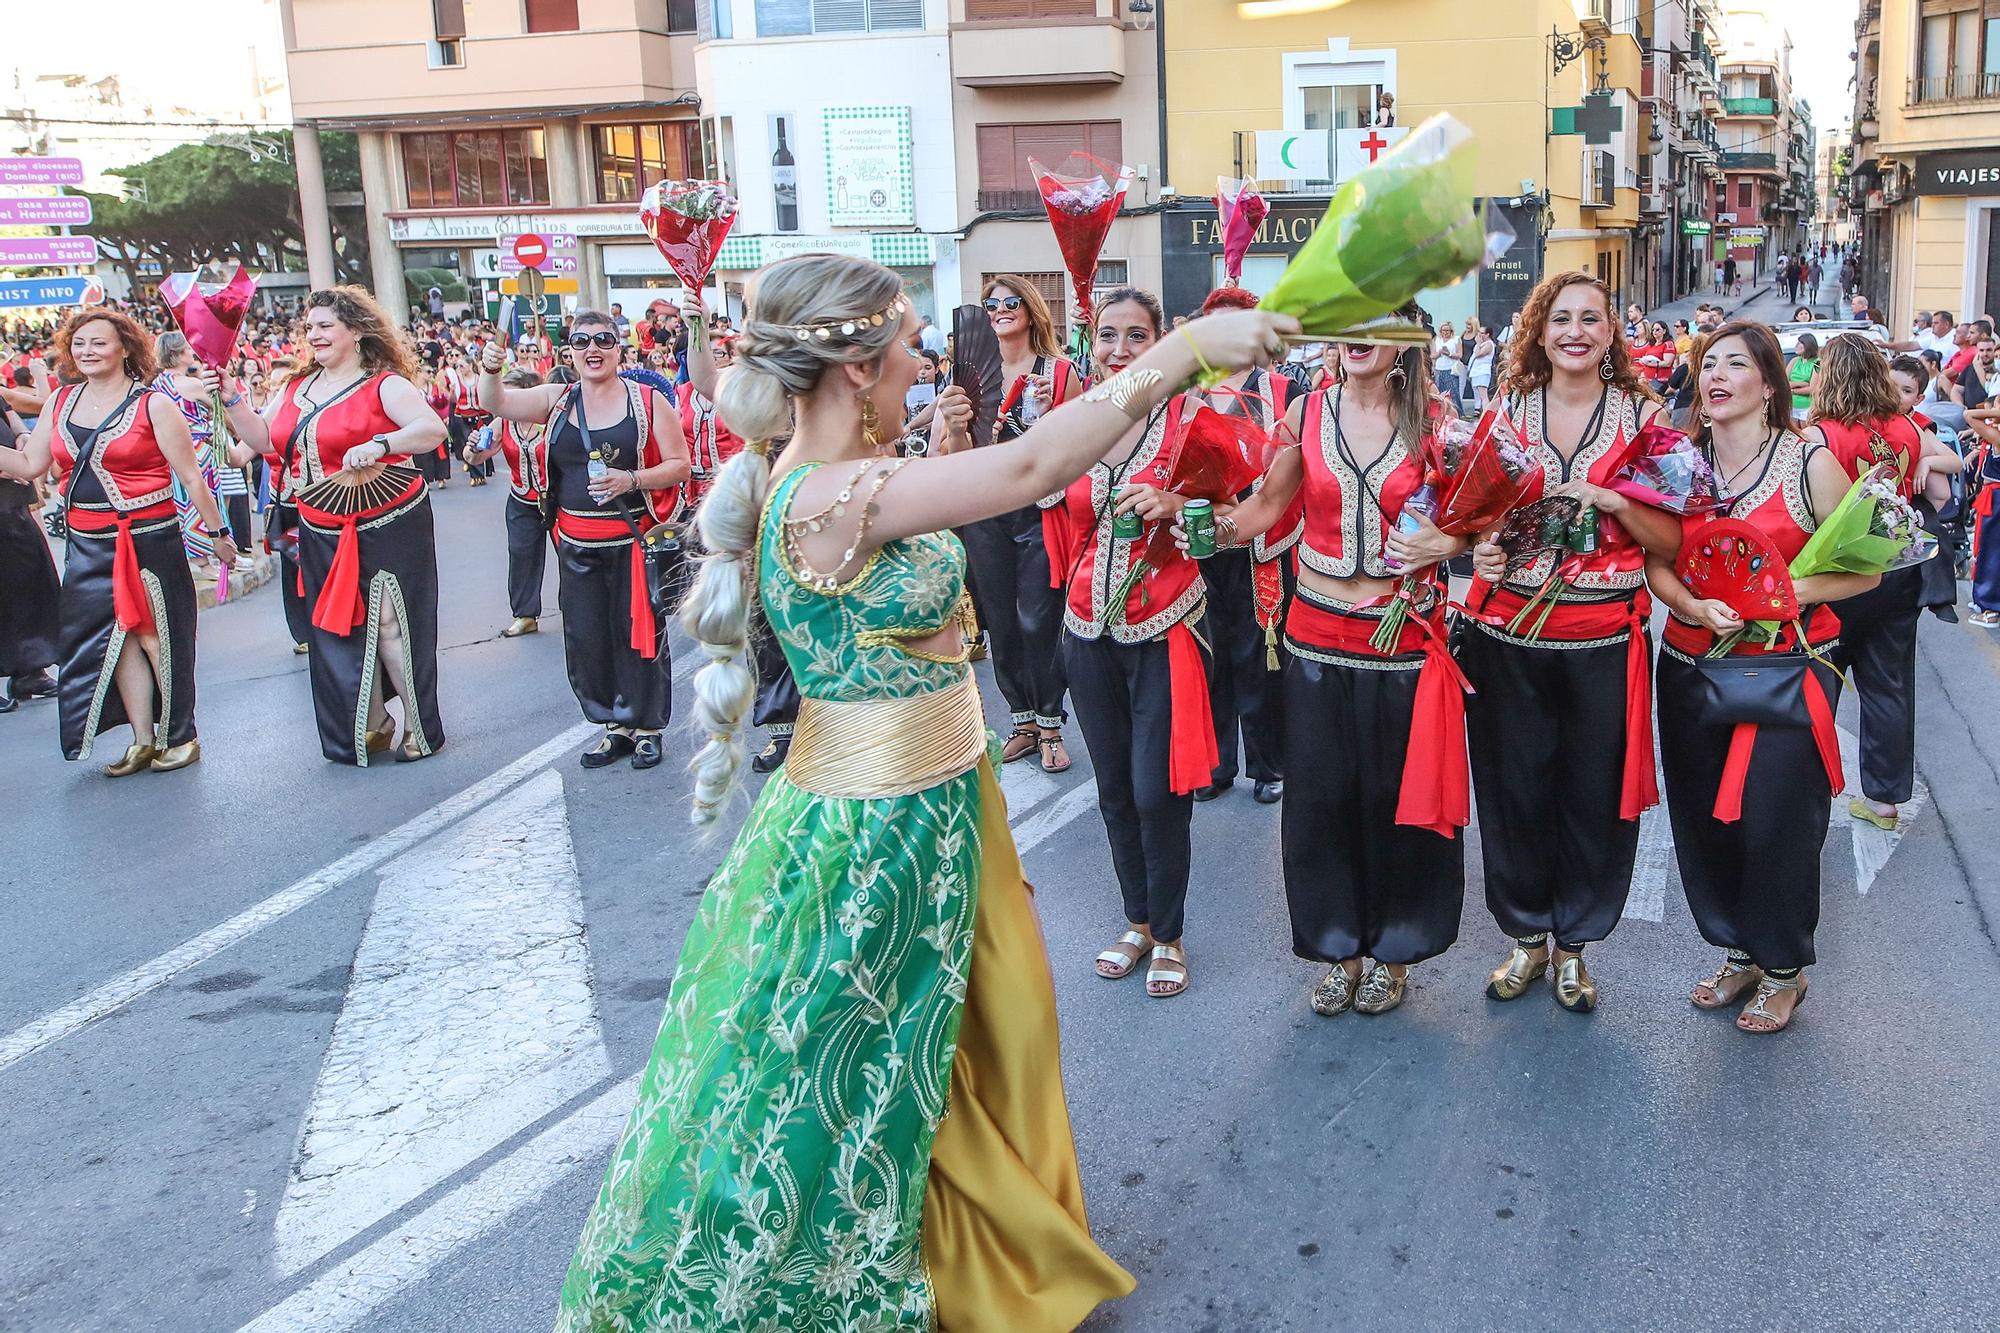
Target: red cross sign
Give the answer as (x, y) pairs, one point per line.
(1374, 143)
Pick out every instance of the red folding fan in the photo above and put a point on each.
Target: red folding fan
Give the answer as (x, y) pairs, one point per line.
(1732, 562)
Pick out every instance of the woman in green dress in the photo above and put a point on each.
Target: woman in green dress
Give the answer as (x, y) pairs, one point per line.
(853, 1117)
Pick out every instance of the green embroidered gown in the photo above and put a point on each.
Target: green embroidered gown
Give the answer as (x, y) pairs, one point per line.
(856, 969)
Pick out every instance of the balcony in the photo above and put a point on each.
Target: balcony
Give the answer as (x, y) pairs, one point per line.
(1030, 43)
(1749, 106)
(1958, 86)
(1247, 168)
(1733, 161)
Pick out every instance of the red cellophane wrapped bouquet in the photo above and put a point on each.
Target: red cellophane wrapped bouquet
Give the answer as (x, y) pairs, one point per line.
(1082, 196)
(1242, 211)
(1668, 470)
(688, 221)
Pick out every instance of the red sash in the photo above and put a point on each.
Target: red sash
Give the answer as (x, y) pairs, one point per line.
(1191, 750)
(645, 637)
(130, 606)
(341, 605)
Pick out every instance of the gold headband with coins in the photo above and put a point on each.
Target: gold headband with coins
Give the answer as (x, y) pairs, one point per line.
(827, 330)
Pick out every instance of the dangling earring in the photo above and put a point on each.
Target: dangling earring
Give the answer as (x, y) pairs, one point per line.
(1604, 369)
(1398, 377)
(871, 425)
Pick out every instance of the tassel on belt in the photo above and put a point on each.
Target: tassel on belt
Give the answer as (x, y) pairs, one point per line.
(866, 749)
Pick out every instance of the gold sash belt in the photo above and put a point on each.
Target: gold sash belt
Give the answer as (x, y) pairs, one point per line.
(864, 749)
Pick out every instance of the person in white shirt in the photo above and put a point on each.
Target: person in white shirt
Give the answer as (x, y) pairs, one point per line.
(929, 336)
(1942, 335)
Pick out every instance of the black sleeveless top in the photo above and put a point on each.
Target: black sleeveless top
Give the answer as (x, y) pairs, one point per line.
(569, 460)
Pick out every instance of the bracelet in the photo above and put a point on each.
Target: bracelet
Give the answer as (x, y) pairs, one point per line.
(1127, 390)
(1227, 521)
(231, 402)
(1195, 347)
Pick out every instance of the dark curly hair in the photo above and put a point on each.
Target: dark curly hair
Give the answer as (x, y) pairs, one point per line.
(1528, 365)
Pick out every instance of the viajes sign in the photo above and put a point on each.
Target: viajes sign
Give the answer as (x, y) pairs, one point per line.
(1964, 171)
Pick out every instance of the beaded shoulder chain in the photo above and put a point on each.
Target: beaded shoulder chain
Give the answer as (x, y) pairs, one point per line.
(795, 528)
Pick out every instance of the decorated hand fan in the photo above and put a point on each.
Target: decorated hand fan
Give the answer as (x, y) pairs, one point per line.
(1732, 562)
(1537, 527)
(975, 367)
(357, 490)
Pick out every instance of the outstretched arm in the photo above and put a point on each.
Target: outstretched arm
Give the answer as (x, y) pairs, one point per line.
(527, 406)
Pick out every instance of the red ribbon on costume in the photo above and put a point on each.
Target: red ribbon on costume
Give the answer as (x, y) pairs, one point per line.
(1061, 543)
(645, 637)
(341, 606)
(130, 606)
(1743, 740)
(1436, 791)
(1191, 751)
(1639, 785)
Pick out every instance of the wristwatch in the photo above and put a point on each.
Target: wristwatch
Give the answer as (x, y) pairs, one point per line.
(380, 441)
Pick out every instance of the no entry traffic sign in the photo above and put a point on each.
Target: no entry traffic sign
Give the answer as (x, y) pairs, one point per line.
(548, 251)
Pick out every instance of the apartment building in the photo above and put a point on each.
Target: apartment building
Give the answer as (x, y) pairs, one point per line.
(1300, 102)
(1765, 135)
(1923, 191)
(1680, 164)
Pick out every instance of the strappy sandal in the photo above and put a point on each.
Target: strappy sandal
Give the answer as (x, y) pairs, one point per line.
(1727, 985)
(1020, 743)
(1167, 969)
(1757, 1018)
(1114, 964)
(1055, 758)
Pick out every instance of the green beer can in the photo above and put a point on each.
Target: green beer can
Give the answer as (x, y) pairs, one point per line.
(1128, 525)
(1198, 521)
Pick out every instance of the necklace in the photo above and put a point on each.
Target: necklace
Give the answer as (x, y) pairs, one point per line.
(104, 416)
(1765, 453)
(311, 402)
(795, 528)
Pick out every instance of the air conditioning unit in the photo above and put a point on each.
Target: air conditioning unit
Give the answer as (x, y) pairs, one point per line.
(1600, 174)
(1596, 16)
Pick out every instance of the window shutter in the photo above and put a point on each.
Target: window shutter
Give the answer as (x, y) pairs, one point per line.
(784, 18)
(895, 15)
(839, 16)
(448, 19)
(552, 16)
(704, 20)
(995, 147)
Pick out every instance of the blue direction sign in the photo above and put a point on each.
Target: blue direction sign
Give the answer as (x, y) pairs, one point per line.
(49, 291)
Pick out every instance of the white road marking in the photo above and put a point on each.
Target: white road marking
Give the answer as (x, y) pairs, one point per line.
(469, 1018)
(351, 1290)
(1026, 786)
(1031, 832)
(1647, 900)
(1872, 846)
(122, 990)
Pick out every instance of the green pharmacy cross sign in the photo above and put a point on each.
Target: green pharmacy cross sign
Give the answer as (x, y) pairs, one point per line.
(1596, 120)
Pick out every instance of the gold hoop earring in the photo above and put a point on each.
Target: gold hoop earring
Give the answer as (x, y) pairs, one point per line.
(871, 424)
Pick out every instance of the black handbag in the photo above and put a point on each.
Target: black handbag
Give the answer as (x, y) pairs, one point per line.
(1766, 689)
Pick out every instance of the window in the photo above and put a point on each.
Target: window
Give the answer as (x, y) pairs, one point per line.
(1346, 107)
(1021, 11)
(1005, 182)
(1336, 89)
(632, 157)
(552, 16)
(475, 169)
(801, 18)
(680, 15)
(1958, 56)
(445, 53)
(1745, 193)
(448, 19)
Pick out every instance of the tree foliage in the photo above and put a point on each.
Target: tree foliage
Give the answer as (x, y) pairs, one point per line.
(213, 202)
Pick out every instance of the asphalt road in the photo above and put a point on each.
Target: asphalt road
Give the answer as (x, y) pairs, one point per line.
(288, 1046)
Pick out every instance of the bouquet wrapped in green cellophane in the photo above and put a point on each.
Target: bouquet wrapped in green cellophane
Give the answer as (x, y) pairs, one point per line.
(1405, 223)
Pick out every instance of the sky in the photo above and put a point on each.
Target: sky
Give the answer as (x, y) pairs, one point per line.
(1822, 36)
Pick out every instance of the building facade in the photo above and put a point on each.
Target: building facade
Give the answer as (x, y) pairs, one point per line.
(1764, 203)
(1681, 165)
(1923, 192)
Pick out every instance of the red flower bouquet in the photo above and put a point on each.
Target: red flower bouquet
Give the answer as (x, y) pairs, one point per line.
(210, 314)
(1242, 210)
(1665, 469)
(1082, 196)
(1212, 456)
(688, 221)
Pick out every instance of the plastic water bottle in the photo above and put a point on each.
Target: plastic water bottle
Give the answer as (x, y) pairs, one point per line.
(597, 467)
(1424, 501)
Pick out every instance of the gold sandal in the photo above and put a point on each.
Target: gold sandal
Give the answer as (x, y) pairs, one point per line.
(1114, 964)
(1760, 1008)
(1334, 995)
(1726, 986)
(1574, 989)
(1167, 969)
(1383, 990)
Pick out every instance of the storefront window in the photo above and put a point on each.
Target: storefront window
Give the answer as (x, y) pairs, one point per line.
(475, 169)
(632, 157)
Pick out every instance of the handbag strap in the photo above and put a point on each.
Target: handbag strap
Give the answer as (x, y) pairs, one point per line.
(624, 511)
(90, 445)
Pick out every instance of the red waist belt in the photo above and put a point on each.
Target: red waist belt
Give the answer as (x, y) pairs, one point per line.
(341, 606)
(645, 637)
(1436, 793)
(130, 606)
(1572, 622)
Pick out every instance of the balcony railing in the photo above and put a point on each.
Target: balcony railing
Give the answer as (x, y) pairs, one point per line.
(1749, 106)
(1958, 86)
(1002, 201)
(1247, 168)
(1749, 161)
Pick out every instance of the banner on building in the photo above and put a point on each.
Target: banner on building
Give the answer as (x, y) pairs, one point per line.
(1288, 155)
(1968, 171)
(868, 167)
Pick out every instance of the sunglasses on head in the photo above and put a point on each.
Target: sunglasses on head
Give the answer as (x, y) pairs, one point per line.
(602, 338)
(995, 303)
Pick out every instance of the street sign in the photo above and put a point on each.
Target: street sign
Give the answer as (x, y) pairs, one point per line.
(50, 291)
(518, 285)
(41, 171)
(549, 251)
(48, 250)
(1696, 226)
(532, 283)
(62, 210)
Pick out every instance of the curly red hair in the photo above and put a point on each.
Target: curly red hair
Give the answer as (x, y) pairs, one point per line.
(141, 362)
(1229, 298)
(1528, 365)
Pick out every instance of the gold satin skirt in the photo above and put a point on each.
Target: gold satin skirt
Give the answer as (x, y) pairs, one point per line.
(1005, 1236)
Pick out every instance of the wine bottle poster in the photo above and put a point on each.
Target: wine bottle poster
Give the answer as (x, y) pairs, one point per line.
(784, 171)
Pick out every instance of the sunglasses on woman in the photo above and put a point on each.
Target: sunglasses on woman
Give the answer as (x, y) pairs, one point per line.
(994, 304)
(603, 338)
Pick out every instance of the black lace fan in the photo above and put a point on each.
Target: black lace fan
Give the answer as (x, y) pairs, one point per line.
(357, 490)
(975, 367)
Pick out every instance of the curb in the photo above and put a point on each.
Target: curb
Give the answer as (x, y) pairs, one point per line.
(241, 582)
